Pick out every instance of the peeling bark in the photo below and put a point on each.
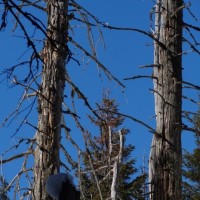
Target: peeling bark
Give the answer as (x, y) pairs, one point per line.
(50, 98)
(165, 156)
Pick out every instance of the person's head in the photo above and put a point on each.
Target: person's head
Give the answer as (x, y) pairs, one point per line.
(61, 187)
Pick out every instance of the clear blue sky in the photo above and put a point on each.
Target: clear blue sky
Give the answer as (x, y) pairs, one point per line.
(124, 53)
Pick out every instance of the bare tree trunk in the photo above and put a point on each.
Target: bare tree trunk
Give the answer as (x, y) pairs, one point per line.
(50, 98)
(116, 168)
(165, 156)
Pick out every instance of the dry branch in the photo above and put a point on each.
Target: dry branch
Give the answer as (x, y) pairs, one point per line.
(105, 69)
(17, 156)
(139, 76)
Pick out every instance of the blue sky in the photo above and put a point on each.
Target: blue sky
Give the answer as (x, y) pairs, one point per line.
(125, 52)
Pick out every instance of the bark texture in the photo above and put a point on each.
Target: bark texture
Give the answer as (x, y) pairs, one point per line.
(50, 97)
(165, 156)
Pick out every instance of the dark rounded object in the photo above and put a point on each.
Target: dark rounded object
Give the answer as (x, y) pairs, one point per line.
(61, 187)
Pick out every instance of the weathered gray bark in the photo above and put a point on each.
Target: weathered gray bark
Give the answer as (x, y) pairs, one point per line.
(165, 156)
(50, 97)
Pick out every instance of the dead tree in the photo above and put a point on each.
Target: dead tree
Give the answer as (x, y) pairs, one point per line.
(165, 155)
(50, 98)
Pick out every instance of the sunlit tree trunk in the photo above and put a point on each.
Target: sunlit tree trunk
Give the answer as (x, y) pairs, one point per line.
(165, 156)
(50, 97)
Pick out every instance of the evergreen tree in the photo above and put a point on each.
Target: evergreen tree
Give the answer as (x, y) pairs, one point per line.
(191, 167)
(3, 192)
(103, 150)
